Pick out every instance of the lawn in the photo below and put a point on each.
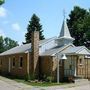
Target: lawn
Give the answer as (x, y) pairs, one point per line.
(43, 84)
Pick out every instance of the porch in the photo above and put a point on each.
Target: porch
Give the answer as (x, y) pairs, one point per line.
(77, 66)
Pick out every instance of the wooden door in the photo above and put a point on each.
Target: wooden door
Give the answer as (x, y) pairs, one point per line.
(80, 68)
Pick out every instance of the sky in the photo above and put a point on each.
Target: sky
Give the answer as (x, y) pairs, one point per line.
(15, 15)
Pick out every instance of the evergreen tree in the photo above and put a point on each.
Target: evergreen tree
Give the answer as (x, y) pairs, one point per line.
(2, 1)
(34, 24)
(79, 26)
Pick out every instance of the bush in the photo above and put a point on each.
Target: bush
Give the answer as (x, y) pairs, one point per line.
(49, 79)
(71, 79)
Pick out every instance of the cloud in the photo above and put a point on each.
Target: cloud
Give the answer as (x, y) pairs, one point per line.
(2, 33)
(20, 43)
(3, 12)
(16, 26)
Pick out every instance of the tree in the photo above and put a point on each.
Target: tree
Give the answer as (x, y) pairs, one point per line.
(9, 43)
(1, 44)
(34, 24)
(79, 26)
(2, 1)
(6, 44)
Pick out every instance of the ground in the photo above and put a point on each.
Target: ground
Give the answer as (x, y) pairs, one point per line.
(7, 84)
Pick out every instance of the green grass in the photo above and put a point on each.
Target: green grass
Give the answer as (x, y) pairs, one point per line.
(43, 84)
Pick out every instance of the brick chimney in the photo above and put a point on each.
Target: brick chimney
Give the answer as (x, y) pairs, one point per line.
(35, 53)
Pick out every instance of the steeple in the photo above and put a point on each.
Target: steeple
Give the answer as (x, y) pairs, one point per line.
(64, 33)
(64, 37)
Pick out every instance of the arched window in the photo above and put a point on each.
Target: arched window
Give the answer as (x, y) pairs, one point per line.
(80, 61)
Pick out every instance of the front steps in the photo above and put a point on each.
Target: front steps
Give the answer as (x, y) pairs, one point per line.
(81, 81)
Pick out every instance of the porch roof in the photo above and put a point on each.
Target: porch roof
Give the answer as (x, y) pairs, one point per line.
(77, 50)
(55, 50)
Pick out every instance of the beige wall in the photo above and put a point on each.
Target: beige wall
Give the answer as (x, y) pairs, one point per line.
(89, 68)
(17, 70)
(49, 67)
(46, 65)
(83, 68)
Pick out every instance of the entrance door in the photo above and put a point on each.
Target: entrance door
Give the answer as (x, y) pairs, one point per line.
(80, 68)
(61, 69)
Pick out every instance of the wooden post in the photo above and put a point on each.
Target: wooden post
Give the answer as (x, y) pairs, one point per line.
(87, 67)
(77, 65)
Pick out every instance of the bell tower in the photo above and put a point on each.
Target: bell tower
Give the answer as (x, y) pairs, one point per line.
(64, 37)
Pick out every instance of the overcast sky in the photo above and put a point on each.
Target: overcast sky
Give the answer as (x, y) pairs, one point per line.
(15, 14)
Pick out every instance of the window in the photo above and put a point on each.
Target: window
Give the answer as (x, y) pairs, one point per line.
(70, 66)
(1, 62)
(80, 61)
(60, 62)
(13, 62)
(21, 62)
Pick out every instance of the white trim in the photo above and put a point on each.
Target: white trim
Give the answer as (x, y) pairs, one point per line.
(82, 47)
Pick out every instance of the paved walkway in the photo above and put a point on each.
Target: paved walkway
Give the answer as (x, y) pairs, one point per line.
(7, 84)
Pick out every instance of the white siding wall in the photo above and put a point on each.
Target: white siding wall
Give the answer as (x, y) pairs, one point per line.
(62, 42)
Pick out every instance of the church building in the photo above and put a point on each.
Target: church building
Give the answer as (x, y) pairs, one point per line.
(56, 57)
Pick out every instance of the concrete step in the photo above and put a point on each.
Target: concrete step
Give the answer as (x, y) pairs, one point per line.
(81, 81)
